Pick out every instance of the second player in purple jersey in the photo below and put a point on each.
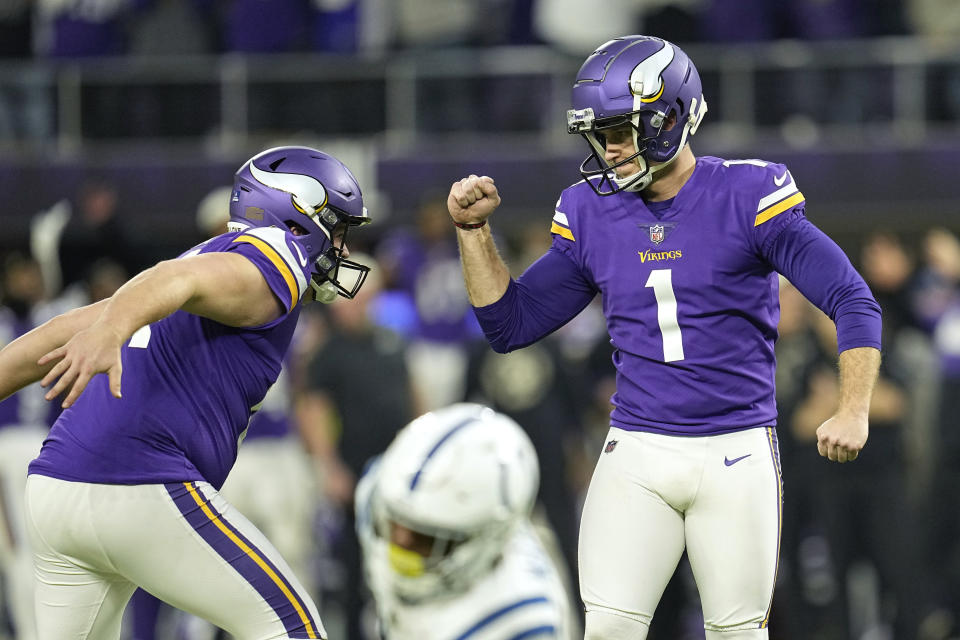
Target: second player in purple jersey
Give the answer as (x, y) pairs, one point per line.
(189, 386)
(124, 493)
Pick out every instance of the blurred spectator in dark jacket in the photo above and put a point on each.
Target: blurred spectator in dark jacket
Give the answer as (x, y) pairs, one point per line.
(96, 230)
(15, 29)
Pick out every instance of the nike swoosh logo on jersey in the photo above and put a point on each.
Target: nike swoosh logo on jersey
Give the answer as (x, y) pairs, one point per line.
(779, 181)
(727, 461)
(303, 260)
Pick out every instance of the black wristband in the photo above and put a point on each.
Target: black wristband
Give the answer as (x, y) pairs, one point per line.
(468, 225)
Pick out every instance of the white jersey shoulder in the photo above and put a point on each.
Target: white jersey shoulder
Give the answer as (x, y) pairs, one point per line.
(770, 187)
(565, 211)
(284, 247)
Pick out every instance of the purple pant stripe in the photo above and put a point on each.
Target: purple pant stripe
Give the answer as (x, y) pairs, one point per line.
(775, 457)
(250, 562)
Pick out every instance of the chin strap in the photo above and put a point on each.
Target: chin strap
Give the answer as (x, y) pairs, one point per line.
(689, 128)
(647, 179)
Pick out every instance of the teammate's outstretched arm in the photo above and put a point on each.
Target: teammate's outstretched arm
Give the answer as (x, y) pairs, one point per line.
(470, 203)
(842, 436)
(18, 360)
(225, 287)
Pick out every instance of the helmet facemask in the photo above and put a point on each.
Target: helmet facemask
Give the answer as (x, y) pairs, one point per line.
(334, 275)
(646, 129)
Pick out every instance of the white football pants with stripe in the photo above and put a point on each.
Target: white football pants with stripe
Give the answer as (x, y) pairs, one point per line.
(653, 495)
(93, 544)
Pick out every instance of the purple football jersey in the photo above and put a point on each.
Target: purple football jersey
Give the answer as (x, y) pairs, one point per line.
(189, 385)
(690, 293)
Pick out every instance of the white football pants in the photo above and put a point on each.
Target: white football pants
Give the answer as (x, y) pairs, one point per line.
(652, 495)
(18, 446)
(93, 544)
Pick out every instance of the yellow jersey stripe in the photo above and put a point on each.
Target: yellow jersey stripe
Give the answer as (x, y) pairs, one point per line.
(253, 555)
(778, 208)
(562, 231)
(277, 261)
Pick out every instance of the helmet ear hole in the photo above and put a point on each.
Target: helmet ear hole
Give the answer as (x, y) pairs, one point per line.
(671, 121)
(296, 228)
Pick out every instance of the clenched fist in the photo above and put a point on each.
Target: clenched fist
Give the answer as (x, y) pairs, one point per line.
(472, 199)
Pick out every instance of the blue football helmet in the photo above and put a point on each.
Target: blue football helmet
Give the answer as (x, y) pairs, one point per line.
(315, 196)
(637, 81)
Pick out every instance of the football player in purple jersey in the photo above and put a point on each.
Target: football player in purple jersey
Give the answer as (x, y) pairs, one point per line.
(685, 252)
(124, 492)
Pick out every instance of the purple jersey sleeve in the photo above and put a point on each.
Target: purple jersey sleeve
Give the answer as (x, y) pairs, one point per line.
(823, 274)
(548, 294)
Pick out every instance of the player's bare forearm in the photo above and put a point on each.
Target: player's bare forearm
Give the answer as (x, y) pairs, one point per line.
(18, 360)
(484, 272)
(471, 201)
(859, 368)
(96, 348)
(224, 287)
(149, 296)
(842, 436)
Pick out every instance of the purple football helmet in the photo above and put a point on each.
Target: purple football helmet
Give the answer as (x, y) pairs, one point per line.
(637, 81)
(315, 196)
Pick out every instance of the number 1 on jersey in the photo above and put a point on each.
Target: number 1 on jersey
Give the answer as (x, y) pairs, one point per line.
(662, 282)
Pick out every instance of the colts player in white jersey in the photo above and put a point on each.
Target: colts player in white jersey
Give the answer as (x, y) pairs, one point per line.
(448, 547)
(124, 492)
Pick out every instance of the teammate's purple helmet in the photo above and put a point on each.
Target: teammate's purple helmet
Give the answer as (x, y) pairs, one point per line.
(312, 194)
(640, 81)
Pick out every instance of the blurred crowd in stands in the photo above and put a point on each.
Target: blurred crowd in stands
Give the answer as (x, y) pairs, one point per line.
(79, 28)
(33, 107)
(869, 550)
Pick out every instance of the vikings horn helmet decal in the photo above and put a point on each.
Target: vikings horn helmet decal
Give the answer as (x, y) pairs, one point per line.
(646, 81)
(307, 194)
